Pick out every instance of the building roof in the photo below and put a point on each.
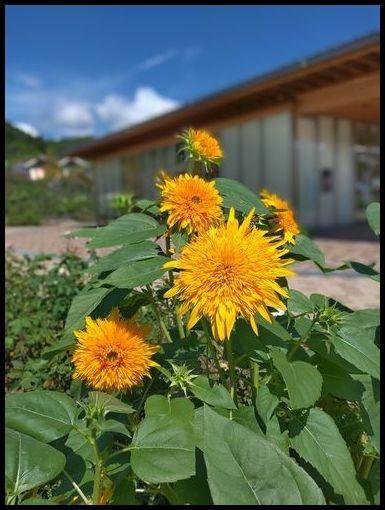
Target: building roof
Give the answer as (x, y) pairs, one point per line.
(354, 59)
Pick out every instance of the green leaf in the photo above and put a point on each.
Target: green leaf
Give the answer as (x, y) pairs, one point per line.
(356, 347)
(307, 250)
(215, 395)
(179, 239)
(128, 229)
(265, 403)
(159, 405)
(240, 197)
(245, 415)
(125, 255)
(108, 403)
(373, 216)
(138, 273)
(29, 463)
(243, 468)
(163, 449)
(299, 303)
(194, 490)
(274, 434)
(37, 501)
(82, 305)
(317, 439)
(44, 415)
(147, 205)
(365, 270)
(303, 381)
(115, 427)
(337, 381)
(371, 404)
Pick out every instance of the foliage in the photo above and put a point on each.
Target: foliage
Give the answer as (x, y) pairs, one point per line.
(123, 203)
(37, 298)
(288, 416)
(29, 202)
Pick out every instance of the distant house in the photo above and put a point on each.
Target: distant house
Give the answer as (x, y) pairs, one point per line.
(70, 163)
(308, 131)
(32, 169)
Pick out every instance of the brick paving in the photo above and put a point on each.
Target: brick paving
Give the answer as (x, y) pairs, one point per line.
(346, 286)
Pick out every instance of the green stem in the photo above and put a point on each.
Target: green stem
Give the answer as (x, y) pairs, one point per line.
(77, 488)
(145, 394)
(158, 315)
(230, 360)
(98, 472)
(114, 454)
(213, 350)
(178, 320)
(301, 340)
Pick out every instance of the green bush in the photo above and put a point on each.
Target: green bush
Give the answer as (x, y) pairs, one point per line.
(36, 304)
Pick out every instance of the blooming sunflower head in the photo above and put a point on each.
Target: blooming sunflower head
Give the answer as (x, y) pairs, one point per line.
(285, 221)
(201, 146)
(230, 271)
(112, 354)
(191, 202)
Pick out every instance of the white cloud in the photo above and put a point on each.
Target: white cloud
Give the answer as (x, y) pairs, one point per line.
(119, 112)
(26, 128)
(28, 80)
(73, 118)
(157, 60)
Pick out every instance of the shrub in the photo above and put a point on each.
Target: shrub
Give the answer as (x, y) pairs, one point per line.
(258, 394)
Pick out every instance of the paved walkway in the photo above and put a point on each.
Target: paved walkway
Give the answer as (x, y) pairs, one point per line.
(346, 286)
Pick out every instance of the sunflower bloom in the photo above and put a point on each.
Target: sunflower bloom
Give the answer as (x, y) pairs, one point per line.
(202, 145)
(230, 271)
(285, 221)
(192, 203)
(112, 354)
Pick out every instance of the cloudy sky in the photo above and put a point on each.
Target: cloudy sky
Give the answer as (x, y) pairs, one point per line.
(77, 70)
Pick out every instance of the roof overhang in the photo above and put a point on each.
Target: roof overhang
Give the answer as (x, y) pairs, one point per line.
(345, 63)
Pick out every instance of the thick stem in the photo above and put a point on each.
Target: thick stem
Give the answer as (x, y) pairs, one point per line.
(178, 320)
(366, 466)
(213, 351)
(230, 360)
(98, 472)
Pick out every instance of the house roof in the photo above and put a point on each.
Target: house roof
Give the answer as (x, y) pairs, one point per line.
(354, 59)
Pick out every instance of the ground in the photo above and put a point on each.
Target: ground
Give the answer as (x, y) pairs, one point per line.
(345, 286)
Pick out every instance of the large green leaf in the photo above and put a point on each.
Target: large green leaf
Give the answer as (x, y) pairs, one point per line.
(373, 216)
(357, 347)
(44, 415)
(337, 381)
(299, 303)
(138, 273)
(159, 405)
(163, 449)
(128, 229)
(303, 380)
(243, 468)
(86, 303)
(108, 403)
(240, 197)
(29, 463)
(317, 439)
(306, 249)
(125, 255)
(265, 403)
(365, 270)
(215, 394)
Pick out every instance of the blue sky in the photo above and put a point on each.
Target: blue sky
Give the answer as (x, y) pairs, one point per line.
(80, 70)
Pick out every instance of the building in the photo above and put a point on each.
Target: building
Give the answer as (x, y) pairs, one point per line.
(32, 169)
(308, 131)
(70, 164)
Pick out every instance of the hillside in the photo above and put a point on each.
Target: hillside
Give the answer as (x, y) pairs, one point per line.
(20, 146)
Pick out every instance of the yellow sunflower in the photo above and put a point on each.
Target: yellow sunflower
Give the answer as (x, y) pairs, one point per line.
(112, 353)
(191, 202)
(202, 145)
(285, 221)
(228, 271)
